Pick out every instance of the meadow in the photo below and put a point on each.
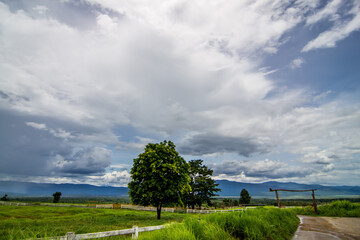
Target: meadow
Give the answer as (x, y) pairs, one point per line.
(21, 222)
(342, 208)
(260, 223)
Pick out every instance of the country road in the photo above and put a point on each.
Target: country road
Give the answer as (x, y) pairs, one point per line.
(327, 228)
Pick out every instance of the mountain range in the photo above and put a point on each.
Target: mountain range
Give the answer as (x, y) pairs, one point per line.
(228, 188)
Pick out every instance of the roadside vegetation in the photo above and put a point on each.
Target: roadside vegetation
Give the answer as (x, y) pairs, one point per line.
(334, 209)
(21, 222)
(260, 223)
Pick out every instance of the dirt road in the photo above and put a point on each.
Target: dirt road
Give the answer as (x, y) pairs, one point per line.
(328, 228)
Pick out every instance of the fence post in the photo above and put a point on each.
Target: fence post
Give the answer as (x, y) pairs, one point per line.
(135, 235)
(70, 236)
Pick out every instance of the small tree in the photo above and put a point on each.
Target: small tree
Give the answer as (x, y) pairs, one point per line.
(4, 198)
(203, 187)
(56, 196)
(245, 197)
(159, 177)
(236, 203)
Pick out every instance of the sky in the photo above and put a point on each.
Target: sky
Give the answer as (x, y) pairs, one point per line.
(265, 90)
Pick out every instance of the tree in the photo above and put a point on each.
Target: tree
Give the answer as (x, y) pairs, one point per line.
(245, 197)
(159, 177)
(4, 198)
(56, 196)
(203, 187)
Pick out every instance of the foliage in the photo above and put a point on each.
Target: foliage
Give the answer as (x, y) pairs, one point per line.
(259, 223)
(4, 198)
(56, 196)
(203, 187)
(334, 209)
(159, 176)
(21, 222)
(245, 197)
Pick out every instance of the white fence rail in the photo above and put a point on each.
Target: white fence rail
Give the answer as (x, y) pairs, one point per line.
(134, 231)
(136, 207)
(216, 211)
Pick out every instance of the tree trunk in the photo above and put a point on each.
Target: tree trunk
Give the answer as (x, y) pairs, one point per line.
(193, 206)
(158, 210)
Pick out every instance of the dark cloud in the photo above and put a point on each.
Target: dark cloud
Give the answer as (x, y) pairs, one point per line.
(26, 150)
(263, 169)
(210, 143)
(91, 160)
(29, 147)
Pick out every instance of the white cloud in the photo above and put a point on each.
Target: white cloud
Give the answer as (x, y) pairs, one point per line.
(39, 126)
(296, 63)
(116, 178)
(40, 9)
(329, 11)
(328, 39)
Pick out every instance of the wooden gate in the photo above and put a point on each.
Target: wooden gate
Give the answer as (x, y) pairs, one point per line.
(286, 190)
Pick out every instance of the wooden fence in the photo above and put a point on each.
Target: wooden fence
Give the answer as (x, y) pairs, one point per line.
(134, 231)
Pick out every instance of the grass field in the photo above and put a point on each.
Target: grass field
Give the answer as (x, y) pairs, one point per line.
(261, 223)
(333, 209)
(19, 222)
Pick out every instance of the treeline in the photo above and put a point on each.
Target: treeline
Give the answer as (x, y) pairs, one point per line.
(76, 200)
(285, 202)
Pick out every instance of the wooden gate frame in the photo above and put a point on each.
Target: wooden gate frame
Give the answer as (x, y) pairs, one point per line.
(286, 190)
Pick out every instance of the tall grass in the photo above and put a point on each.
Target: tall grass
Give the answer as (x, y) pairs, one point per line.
(252, 224)
(334, 209)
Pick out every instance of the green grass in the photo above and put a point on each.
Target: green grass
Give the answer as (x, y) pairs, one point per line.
(19, 222)
(261, 223)
(333, 209)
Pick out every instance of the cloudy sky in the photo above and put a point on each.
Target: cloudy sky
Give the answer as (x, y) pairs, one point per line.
(260, 90)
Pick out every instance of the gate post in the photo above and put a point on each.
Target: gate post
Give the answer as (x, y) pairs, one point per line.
(314, 201)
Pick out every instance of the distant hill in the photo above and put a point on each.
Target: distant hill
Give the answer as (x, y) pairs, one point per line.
(47, 189)
(229, 188)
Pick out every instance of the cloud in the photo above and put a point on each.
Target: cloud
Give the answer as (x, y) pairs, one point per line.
(39, 126)
(329, 11)
(117, 178)
(170, 70)
(265, 169)
(296, 63)
(203, 144)
(91, 160)
(328, 39)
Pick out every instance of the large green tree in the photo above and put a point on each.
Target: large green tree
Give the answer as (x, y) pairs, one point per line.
(159, 176)
(203, 187)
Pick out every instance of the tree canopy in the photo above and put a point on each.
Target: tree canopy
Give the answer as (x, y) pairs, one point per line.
(245, 197)
(56, 196)
(203, 187)
(159, 176)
